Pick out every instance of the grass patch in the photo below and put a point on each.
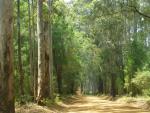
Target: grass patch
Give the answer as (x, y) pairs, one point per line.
(139, 101)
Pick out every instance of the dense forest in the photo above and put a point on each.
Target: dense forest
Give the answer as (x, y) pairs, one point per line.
(51, 48)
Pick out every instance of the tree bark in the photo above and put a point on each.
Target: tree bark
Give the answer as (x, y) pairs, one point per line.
(35, 53)
(50, 49)
(40, 49)
(47, 59)
(43, 55)
(6, 57)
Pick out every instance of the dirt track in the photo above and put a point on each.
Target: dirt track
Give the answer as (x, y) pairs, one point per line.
(83, 104)
(93, 104)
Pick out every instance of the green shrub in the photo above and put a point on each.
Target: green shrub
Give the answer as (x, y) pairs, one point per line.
(142, 82)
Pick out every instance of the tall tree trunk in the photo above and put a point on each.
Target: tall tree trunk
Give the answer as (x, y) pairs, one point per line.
(105, 84)
(113, 86)
(100, 86)
(35, 54)
(40, 49)
(59, 77)
(30, 50)
(46, 42)
(43, 55)
(6, 57)
(51, 48)
(19, 51)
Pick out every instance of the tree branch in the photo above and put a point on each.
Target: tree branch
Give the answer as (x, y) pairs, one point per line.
(140, 13)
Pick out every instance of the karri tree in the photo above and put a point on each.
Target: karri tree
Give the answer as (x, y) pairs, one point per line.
(6, 57)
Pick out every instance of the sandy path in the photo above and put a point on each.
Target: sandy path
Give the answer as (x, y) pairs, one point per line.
(93, 104)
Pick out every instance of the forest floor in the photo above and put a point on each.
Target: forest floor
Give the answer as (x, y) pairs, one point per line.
(86, 104)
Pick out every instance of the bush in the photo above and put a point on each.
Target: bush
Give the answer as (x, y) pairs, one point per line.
(142, 82)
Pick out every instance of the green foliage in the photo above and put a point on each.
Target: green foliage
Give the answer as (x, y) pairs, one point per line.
(91, 41)
(141, 82)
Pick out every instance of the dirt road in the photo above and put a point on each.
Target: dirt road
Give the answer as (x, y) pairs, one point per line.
(83, 104)
(93, 104)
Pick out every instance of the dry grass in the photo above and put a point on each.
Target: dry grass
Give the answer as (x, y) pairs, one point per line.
(140, 102)
(33, 108)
